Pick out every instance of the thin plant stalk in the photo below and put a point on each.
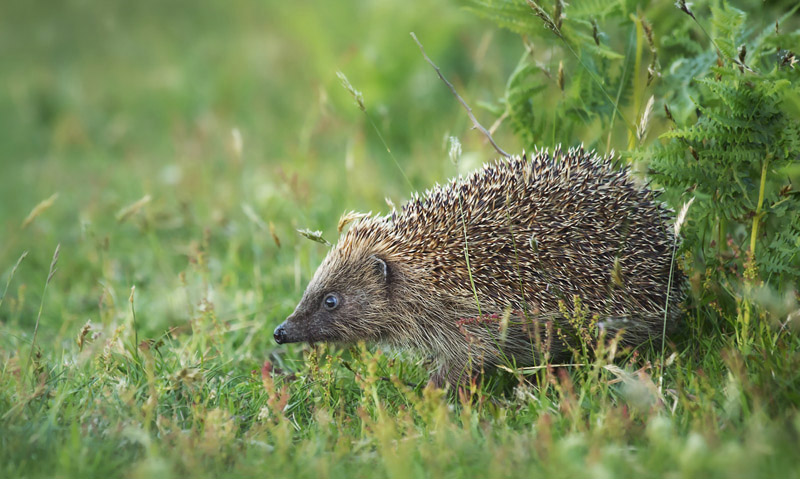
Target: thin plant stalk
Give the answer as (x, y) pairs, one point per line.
(135, 326)
(471, 115)
(466, 256)
(388, 150)
(359, 98)
(677, 230)
(638, 91)
(666, 316)
(759, 207)
(41, 304)
(11, 276)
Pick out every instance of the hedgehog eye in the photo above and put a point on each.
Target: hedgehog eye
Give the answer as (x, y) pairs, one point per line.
(331, 301)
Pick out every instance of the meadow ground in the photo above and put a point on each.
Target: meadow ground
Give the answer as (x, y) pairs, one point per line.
(156, 160)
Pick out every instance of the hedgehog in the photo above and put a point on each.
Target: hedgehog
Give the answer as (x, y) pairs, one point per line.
(488, 270)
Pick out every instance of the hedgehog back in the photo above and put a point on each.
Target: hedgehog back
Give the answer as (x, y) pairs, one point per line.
(533, 232)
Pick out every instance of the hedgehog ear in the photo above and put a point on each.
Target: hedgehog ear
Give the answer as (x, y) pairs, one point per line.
(381, 267)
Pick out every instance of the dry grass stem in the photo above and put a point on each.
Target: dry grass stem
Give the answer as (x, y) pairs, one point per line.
(475, 121)
(52, 272)
(11, 275)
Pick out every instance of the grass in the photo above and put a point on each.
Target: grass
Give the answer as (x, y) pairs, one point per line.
(117, 143)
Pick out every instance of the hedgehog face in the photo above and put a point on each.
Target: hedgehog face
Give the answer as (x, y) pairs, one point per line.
(341, 303)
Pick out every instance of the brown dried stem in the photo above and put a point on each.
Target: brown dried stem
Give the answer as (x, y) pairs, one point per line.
(460, 100)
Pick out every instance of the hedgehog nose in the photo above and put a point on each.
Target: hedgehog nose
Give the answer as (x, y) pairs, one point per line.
(280, 334)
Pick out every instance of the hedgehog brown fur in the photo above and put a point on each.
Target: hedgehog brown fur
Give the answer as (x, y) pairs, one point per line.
(520, 238)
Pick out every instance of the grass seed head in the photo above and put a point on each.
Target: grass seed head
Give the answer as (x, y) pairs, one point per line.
(132, 208)
(357, 95)
(40, 208)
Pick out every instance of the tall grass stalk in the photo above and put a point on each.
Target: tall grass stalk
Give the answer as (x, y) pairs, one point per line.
(679, 220)
(50, 274)
(359, 99)
(11, 276)
(135, 348)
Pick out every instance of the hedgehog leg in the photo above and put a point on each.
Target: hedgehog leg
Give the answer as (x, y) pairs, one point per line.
(438, 380)
(443, 377)
(456, 374)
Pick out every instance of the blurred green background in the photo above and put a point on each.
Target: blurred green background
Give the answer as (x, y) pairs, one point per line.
(104, 103)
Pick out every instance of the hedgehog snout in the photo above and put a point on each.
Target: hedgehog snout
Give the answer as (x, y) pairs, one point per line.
(280, 334)
(285, 332)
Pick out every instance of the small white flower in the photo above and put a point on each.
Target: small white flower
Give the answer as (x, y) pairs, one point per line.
(264, 414)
